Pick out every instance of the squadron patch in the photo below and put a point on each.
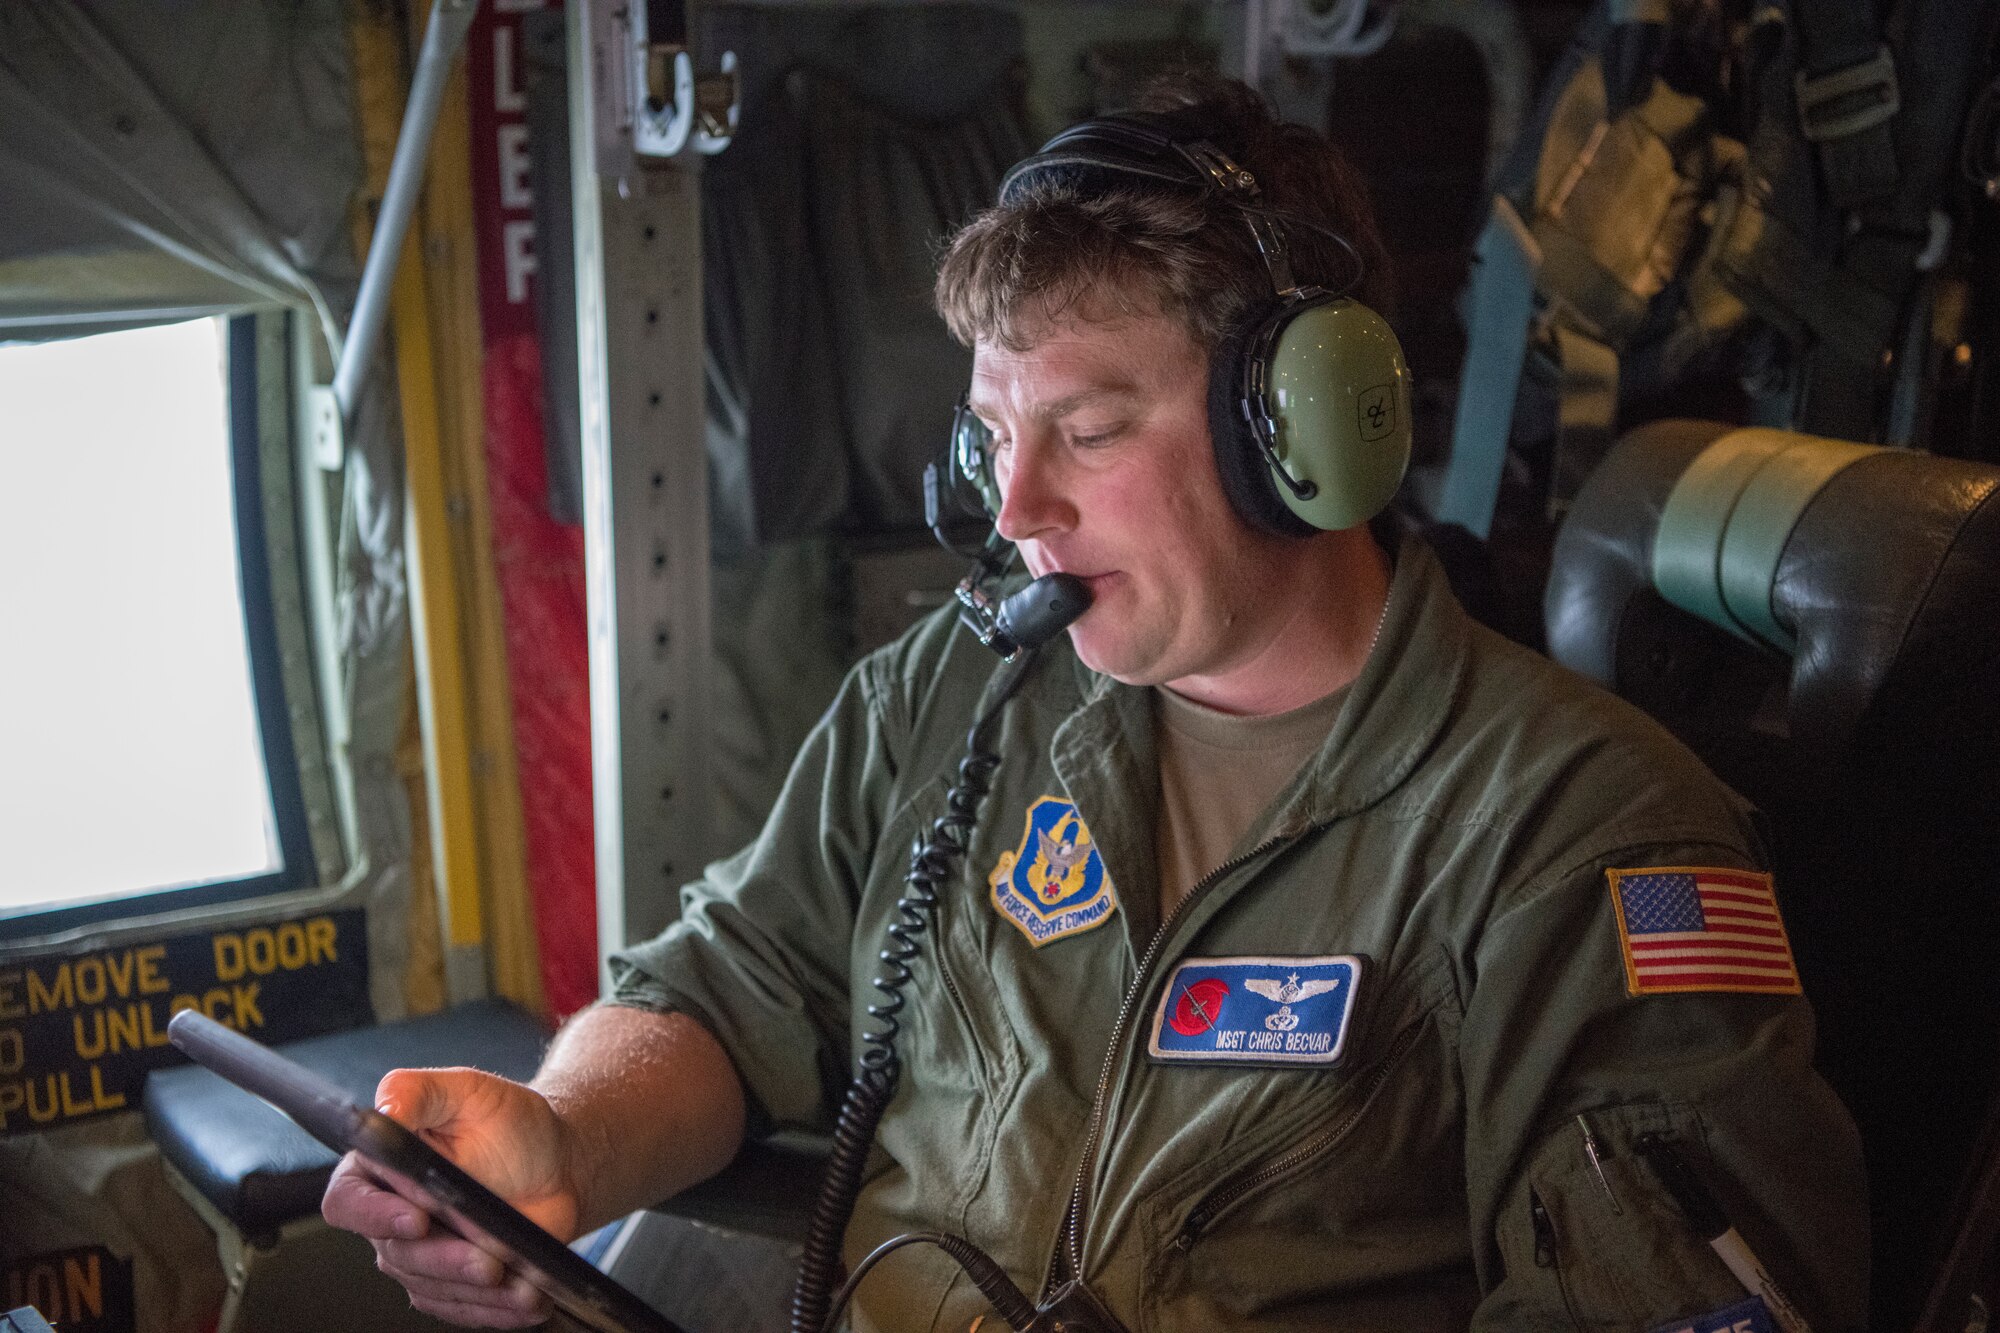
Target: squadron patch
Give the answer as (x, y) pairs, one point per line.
(1256, 1011)
(1698, 928)
(1054, 883)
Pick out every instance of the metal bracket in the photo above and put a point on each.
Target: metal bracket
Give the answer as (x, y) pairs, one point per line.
(717, 101)
(1240, 187)
(326, 429)
(647, 101)
(1850, 100)
(645, 483)
(663, 101)
(672, 109)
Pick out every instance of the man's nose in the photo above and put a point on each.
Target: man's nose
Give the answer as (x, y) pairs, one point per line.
(1033, 502)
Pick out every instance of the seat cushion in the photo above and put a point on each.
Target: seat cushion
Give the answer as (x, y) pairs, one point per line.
(258, 1168)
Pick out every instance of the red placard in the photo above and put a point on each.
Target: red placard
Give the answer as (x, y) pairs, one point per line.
(539, 561)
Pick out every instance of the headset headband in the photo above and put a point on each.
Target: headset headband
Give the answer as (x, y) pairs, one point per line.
(1160, 148)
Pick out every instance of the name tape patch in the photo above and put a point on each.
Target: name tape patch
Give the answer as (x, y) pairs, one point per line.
(1053, 884)
(1261, 1011)
(1748, 1316)
(1700, 928)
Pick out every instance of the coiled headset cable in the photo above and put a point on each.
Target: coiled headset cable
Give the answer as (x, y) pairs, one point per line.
(1033, 616)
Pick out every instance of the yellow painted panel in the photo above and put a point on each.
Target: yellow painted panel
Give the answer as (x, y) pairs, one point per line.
(446, 225)
(434, 575)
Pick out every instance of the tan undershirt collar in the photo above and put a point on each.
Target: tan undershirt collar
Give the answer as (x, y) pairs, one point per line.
(1218, 773)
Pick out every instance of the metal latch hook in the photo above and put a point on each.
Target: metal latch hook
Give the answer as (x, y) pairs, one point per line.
(716, 103)
(673, 108)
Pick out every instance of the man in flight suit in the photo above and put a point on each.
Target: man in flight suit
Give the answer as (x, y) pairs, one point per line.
(1319, 959)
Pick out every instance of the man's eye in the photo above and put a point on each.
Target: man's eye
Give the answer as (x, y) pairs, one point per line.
(1093, 439)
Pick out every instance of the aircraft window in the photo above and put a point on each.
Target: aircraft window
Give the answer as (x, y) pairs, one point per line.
(145, 761)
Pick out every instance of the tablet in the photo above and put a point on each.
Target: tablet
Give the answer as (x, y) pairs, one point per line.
(405, 1163)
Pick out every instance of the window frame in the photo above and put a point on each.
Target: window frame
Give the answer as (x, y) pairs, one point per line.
(245, 373)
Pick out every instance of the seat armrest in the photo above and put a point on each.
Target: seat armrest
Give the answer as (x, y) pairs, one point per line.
(768, 1190)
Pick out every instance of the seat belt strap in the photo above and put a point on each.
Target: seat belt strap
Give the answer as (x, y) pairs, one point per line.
(1634, 50)
(1769, 266)
(1506, 260)
(1847, 94)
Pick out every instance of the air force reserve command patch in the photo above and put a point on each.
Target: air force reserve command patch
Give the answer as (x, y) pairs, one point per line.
(1696, 928)
(1256, 1011)
(1054, 883)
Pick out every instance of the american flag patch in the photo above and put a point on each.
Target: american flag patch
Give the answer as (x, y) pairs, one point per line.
(1694, 928)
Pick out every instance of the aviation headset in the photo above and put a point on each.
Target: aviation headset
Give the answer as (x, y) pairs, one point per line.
(1309, 397)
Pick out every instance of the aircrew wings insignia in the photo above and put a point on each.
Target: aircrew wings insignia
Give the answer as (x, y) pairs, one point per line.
(1289, 991)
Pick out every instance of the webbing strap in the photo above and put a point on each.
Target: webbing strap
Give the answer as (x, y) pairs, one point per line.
(1634, 49)
(1770, 266)
(1502, 304)
(1847, 94)
(1725, 524)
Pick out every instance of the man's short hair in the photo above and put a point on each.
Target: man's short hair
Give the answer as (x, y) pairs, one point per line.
(1151, 249)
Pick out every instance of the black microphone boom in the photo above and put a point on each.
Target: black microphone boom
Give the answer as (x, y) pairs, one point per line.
(1028, 619)
(1043, 609)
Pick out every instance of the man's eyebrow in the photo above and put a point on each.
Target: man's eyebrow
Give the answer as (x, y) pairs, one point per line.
(1058, 408)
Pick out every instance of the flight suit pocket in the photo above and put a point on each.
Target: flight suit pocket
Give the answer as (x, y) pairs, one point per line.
(1607, 1242)
(1328, 1110)
(1296, 1216)
(1222, 1197)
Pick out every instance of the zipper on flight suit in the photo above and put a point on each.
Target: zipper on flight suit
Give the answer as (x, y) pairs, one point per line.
(1070, 1249)
(952, 987)
(1545, 1232)
(964, 1016)
(1219, 1198)
(1546, 1254)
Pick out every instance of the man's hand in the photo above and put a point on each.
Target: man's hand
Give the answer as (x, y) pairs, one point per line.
(630, 1108)
(507, 1137)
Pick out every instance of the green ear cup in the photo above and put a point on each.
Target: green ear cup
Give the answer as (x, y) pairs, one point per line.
(1338, 392)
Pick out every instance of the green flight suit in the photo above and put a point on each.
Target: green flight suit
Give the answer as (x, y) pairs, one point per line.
(1454, 831)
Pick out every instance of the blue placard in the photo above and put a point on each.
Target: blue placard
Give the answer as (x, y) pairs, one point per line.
(1260, 1011)
(1746, 1316)
(80, 1030)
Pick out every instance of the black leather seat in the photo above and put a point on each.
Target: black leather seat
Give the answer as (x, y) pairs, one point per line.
(259, 1170)
(1872, 743)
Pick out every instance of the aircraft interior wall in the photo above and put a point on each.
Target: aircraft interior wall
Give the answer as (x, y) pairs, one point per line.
(417, 578)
